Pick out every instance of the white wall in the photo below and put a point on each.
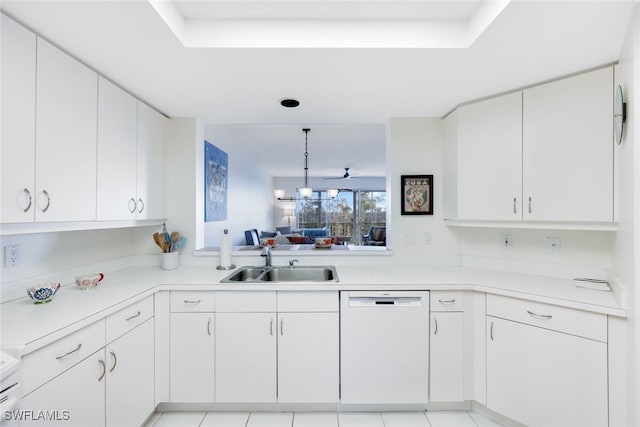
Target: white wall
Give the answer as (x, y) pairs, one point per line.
(626, 245)
(415, 147)
(250, 195)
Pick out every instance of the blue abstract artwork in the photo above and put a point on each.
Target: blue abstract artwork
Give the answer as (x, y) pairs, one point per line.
(216, 172)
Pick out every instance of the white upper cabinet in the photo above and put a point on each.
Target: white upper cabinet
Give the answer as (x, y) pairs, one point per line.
(66, 140)
(544, 154)
(568, 149)
(117, 129)
(490, 159)
(150, 163)
(18, 141)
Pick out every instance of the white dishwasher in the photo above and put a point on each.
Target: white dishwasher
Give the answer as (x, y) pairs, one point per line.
(384, 347)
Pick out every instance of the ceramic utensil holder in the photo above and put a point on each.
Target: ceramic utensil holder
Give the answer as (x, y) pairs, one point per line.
(170, 260)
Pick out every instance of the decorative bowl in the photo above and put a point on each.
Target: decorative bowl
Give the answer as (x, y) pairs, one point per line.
(44, 293)
(271, 241)
(323, 242)
(88, 281)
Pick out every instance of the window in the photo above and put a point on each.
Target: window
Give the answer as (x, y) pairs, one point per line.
(350, 214)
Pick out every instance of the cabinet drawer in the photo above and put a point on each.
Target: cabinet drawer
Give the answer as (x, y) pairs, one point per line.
(303, 301)
(446, 301)
(128, 318)
(46, 363)
(562, 319)
(245, 302)
(193, 302)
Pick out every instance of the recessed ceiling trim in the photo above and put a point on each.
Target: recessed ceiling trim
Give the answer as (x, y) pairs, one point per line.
(329, 33)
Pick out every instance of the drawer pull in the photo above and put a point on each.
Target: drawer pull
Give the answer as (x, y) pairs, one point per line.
(62, 356)
(104, 369)
(529, 204)
(115, 361)
(188, 301)
(134, 316)
(281, 326)
(209, 327)
(491, 331)
(271, 327)
(515, 210)
(435, 329)
(447, 301)
(539, 316)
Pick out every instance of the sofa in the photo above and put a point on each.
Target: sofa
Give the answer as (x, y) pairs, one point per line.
(377, 236)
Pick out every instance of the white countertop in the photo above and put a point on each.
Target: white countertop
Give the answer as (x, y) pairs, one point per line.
(27, 326)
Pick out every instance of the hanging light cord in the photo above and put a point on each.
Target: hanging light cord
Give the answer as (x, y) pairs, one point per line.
(306, 158)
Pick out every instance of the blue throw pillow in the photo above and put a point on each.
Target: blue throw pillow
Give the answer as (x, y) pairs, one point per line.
(284, 230)
(268, 234)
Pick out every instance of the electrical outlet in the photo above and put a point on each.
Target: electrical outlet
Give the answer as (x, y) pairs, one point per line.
(554, 244)
(11, 256)
(507, 241)
(427, 237)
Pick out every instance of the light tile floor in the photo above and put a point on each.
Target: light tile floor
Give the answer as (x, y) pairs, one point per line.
(321, 419)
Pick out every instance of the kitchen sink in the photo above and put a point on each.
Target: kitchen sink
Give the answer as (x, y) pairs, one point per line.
(283, 274)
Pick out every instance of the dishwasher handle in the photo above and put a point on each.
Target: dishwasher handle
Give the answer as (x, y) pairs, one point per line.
(385, 301)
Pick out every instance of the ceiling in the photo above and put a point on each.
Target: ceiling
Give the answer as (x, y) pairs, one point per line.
(452, 52)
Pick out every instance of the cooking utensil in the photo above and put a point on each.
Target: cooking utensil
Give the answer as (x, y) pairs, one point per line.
(159, 240)
(175, 236)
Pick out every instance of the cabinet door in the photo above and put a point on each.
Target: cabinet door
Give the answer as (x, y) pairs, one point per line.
(192, 357)
(541, 378)
(66, 111)
(130, 377)
(308, 357)
(116, 166)
(568, 149)
(246, 358)
(76, 398)
(150, 158)
(490, 159)
(18, 63)
(446, 366)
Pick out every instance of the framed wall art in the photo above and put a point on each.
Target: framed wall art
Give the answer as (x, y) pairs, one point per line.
(216, 172)
(417, 194)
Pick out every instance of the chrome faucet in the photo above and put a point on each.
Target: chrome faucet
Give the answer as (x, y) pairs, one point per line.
(266, 252)
(292, 262)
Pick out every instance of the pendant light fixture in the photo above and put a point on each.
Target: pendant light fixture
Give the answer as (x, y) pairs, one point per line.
(306, 191)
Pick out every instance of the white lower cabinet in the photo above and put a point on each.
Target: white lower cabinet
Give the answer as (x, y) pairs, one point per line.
(286, 355)
(246, 358)
(192, 357)
(543, 377)
(308, 357)
(130, 377)
(75, 398)
(446, 364)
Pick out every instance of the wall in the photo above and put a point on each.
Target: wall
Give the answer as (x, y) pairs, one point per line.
(250, 195)
(626, 245)
(415, 147)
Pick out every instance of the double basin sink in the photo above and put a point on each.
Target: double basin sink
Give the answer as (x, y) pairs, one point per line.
(263, 274)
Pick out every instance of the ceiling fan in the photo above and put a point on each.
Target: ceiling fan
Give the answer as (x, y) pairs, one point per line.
(346, 175)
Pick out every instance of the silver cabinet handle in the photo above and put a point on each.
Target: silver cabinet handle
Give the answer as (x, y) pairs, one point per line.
(529, 204)
(491, 331)
(28, 194)
(134, 316)
(209, 327)
(539, 316)
(190, 301)
(62, 356)
(132, 205)
(115, 361)
(447, 301)
(281, 326)
(435, 329)
(515, 209)
(140, 205)
(104, 369)
(46, 194)
(271, 327)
